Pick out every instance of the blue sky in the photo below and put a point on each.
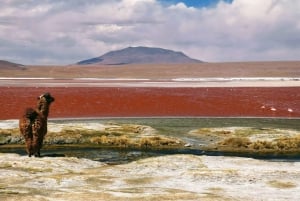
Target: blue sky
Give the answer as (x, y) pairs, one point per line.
(67, 31)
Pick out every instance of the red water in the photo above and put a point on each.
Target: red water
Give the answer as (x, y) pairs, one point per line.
(146, 102)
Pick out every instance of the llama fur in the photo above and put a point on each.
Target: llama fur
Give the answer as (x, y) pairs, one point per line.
(33, 124)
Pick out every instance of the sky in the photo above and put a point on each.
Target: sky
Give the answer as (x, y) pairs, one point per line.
(66, 31)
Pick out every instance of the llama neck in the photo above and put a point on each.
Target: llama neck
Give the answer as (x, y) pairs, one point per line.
(43, 107)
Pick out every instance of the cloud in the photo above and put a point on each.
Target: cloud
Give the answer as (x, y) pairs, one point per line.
(65, 31)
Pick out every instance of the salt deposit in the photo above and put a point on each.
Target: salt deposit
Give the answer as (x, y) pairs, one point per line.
(175, 177)
(9, 124)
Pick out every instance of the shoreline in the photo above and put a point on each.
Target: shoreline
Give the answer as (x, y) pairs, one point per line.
(155, 83)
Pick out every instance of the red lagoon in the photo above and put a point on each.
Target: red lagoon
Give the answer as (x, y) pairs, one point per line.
(80, 102)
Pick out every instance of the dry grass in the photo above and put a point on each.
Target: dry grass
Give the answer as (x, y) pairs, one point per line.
(144, 142)
(158, 141)
(114, 135)
(248, 139)
(236, 142)
(118, 141)
(10, 136)
(279, 145)
(11, 131)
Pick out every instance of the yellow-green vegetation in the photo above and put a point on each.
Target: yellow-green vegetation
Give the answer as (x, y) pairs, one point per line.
(158, 141)
(144, 142)
(119, 141)
(110, 134)
(235, 131)
(247, 139)
(9, 131)
(236, 142)
(10, 136)
(282, 144)
(113, 135)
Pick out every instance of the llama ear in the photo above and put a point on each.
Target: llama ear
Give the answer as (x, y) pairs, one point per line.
(39, 97)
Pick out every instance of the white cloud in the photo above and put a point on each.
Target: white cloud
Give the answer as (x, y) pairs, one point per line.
(65, 31)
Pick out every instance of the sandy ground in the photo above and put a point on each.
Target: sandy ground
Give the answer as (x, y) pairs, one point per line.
(162, 71)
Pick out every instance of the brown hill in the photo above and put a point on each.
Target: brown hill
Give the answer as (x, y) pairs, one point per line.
(6, 65)
(140, 55)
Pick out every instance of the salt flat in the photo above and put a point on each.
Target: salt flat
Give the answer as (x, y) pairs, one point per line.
(175, 177)
(175, 82)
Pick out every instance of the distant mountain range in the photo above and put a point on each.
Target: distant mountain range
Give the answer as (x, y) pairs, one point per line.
(140, 55)
(10, 66)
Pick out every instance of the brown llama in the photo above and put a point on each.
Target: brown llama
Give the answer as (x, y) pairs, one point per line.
(33, 125)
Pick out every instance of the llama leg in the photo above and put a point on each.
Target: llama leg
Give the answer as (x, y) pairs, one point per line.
(37, 154)
(36, 130)
(26, 131)
(30, 153)
(29, 147)
(39, 146)
(38, 149)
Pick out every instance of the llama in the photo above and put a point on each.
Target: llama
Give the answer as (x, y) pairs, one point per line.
(33, 124)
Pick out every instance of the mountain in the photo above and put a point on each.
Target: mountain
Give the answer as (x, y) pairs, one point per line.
(10, 66)
(140, 55)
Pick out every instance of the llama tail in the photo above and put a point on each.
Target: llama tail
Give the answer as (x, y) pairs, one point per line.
(31, 114)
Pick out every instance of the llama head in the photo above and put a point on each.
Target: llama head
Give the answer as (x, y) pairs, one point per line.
(46, 96)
